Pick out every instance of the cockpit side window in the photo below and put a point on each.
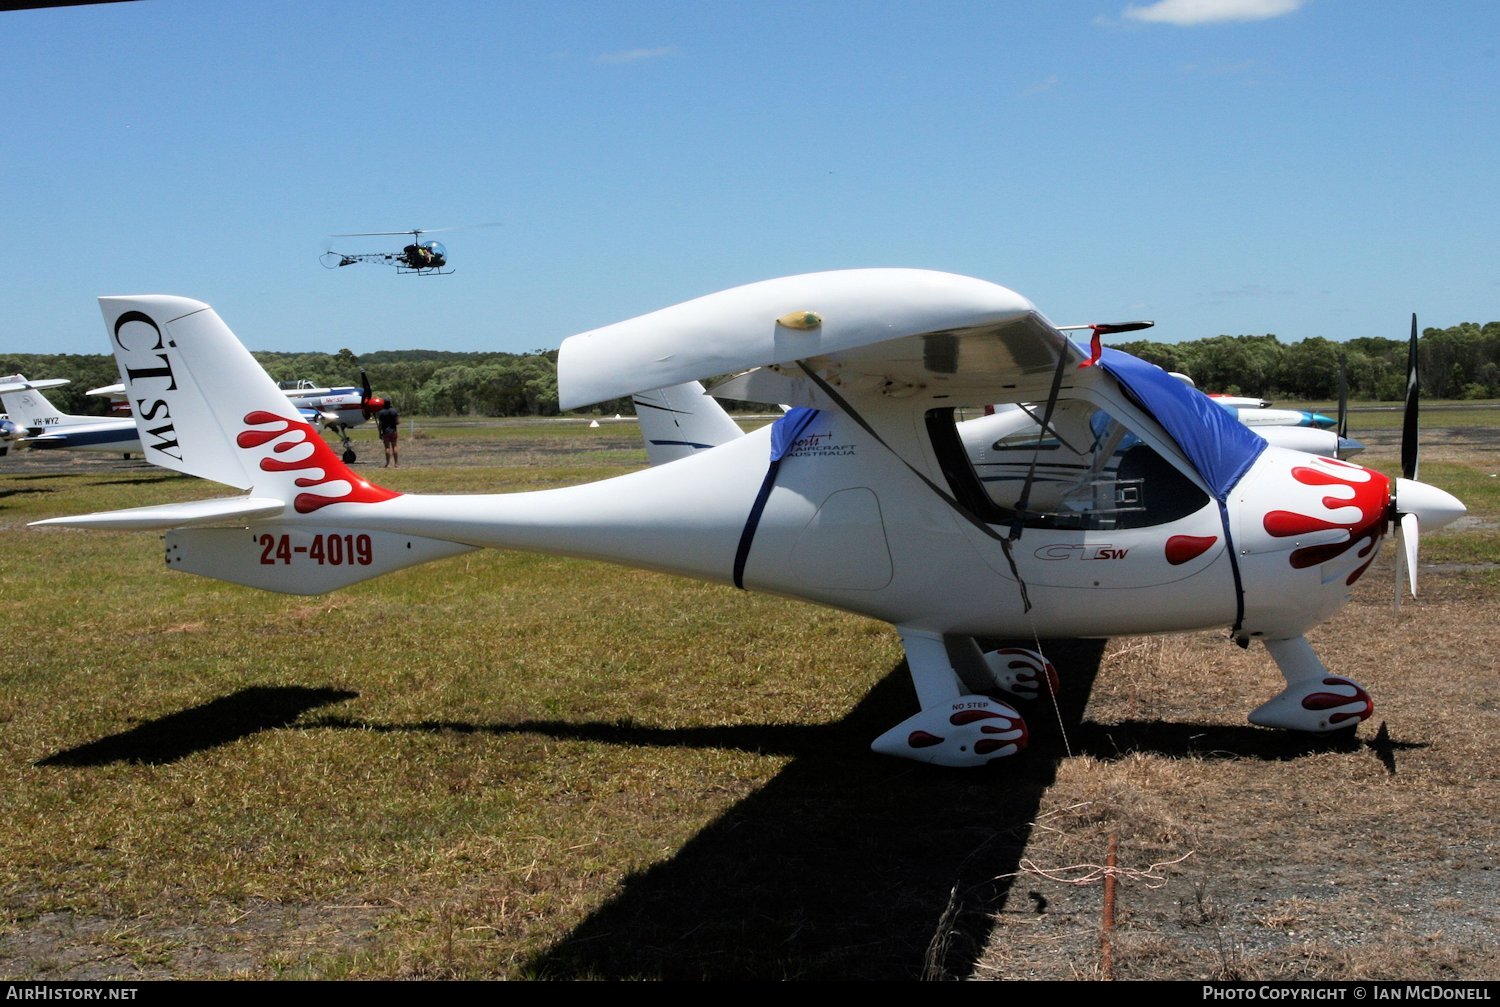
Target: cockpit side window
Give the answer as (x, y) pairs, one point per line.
(1086, 471)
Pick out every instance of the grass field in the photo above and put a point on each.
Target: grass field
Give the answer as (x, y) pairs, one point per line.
(505, 765)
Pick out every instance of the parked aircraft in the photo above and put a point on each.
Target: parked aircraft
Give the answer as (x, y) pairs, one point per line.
(1161, 512)
(1296, 429)
(336, 409)
(40, 424)
(10, 432)
(682, 420)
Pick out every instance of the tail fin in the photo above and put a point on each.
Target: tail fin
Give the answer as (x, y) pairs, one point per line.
(24, 402)
(204, 406)
(681, 420)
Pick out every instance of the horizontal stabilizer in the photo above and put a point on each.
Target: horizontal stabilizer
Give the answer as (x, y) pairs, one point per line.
(299, 559)
(23, 385)
(175, 515)
(682, 420)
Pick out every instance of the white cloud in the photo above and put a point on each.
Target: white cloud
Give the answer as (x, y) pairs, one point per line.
(637, 55)
(1045, 84)
(1194, 12)
(1250, 290)
(1221, 68)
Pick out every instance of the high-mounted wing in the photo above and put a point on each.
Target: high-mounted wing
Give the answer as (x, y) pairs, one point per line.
(866, 330)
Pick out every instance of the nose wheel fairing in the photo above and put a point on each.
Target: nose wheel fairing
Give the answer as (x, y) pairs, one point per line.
(1313, 699)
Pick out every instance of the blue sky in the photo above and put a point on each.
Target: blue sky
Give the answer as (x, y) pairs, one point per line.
(1321, 168)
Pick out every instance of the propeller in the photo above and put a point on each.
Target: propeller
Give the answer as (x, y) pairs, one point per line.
(1409, 450)
(10, 430)
(1344, 445)
(1414, 504)
(1341, 428)
(368, 403)
(1408, 527)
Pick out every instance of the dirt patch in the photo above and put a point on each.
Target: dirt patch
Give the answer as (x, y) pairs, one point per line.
(1367, 858)
(258, 939)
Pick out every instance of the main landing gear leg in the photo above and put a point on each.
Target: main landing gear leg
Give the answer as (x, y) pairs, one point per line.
(1313, 700)
(348, 454)
(953, 728)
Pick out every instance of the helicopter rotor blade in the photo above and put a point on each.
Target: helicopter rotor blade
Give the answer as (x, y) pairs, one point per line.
(463, 227)
(417, 232)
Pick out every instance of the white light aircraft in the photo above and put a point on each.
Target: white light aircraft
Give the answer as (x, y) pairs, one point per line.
(1297, 429)
(337, 409)
(37, 423)
(1159, 513)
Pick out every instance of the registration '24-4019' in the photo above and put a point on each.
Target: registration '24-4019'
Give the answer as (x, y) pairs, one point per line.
(324, 550)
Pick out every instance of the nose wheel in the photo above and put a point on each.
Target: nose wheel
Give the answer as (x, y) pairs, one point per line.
(1313, 699)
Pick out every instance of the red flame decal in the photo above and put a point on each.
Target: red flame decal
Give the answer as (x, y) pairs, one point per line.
(324, 469)
(921, 739)
(969, 716)
(1331, 700)
(1368, 492)
(1182, 548)
(1029, 667)
(1004, 747)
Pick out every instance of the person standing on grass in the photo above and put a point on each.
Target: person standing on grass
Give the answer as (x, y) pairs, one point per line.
(388, 420)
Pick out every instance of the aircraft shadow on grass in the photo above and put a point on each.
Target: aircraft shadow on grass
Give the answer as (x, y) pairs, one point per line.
(843, 865)
(1221, 741)
(10, 492)
(840, 866)
(209, 725)
(143, 480)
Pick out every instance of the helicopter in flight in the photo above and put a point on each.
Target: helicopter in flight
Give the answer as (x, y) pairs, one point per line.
(424, 258)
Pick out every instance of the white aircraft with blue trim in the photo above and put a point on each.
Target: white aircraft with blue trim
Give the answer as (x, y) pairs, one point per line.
(335, 409)
(34, 422)
(1161, 513)
(1297, 429)
(684, 419)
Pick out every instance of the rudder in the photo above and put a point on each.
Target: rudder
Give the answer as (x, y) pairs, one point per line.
(204, 406)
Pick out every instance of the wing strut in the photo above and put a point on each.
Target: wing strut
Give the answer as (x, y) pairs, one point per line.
(1041, 434)
(1019, 520)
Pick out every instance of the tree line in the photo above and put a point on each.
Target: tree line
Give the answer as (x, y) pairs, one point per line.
(1460, 362)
